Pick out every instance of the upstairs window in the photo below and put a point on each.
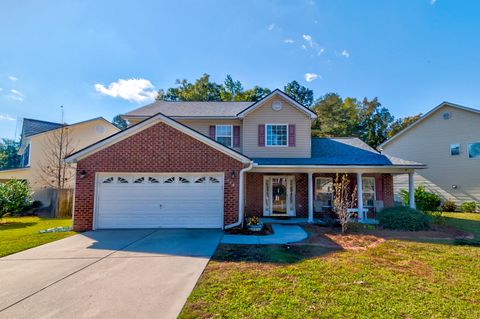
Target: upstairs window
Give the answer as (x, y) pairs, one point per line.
(224, 134)
(276, 135)
(474, 150)
(26, 156)
(454, 149)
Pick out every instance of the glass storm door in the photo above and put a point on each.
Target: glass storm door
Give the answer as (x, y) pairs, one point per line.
(279, 196)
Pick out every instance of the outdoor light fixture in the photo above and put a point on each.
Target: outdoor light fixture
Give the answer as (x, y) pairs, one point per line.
(233, 174)
(83, 174)
(454, 186)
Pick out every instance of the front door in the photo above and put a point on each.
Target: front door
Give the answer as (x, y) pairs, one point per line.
(279, 196)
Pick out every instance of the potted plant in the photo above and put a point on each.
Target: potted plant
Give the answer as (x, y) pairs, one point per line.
(254, 224)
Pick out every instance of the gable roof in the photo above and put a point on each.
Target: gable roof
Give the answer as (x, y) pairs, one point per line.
(190, 109)
(32, 127)
(348, 151)
(134, 129)
(282, 94)
(209, 109)
(426, 115)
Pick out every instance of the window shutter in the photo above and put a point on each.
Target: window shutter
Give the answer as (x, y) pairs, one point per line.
(291, 135)
(261, 134)
(236, 136)
(211, 132)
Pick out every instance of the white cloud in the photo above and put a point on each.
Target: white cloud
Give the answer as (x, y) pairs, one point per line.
(133, 90)
(6, 117)
(271, 27)
(308, 38)
(345, 53)
(12, 78)
(432, 2)
(289, 41)
(321, 51)
(309, 77)
(16, 95)
(304, 46)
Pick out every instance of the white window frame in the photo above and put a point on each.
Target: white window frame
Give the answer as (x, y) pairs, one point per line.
(459, 149)
(317, 190)
(266, 134)
(468, 151)
(231, 134)
(374, 190)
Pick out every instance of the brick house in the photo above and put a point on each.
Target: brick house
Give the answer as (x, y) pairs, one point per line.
(210, 164)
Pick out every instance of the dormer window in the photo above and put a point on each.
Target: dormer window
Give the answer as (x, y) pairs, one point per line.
(224, 134)
(276, 135)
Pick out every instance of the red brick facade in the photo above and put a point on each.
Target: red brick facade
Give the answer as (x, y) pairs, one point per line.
(254, 191)
(159, 148)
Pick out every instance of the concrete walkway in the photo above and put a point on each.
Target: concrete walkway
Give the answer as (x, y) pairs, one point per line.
(282, 234)
(106, 274)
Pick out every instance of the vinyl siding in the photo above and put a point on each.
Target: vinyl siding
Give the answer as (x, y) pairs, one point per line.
(203, 126)
(429, 143)
(287, 115)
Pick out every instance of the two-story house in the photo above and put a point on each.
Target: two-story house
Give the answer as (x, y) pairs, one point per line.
(447, 139)
(40, 144)
(210, 164)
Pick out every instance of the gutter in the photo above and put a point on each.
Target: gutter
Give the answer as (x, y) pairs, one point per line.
(241, 196)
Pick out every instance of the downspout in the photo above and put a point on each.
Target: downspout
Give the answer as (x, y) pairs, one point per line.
(241, 196)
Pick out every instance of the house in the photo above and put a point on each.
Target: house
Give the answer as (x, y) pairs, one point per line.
(208, 164)
(447, 139)
(38, 139)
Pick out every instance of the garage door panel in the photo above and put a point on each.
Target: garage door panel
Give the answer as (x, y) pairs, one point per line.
(193, 200)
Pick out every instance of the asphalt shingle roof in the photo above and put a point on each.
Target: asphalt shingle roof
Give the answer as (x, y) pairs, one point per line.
(190, 108)
(31, 127)
(340, 151)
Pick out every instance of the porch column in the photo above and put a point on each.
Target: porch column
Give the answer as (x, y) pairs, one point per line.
(411, 190)
(310, 197)
(360, 197)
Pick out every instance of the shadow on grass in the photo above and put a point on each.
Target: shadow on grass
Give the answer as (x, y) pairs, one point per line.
(15, 225)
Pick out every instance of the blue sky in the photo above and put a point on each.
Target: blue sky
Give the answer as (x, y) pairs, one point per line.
(412, 54)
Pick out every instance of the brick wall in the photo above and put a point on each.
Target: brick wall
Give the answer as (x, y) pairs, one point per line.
(388, 196)
(159, 148)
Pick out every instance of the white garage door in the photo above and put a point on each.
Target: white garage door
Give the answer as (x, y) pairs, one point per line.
(159, 200)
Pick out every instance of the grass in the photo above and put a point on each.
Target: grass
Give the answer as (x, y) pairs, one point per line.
(395, 279)
(469, 222)
(20, 233)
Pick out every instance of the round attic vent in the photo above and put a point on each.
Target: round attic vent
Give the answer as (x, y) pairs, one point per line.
(447, 115)
(277, 105)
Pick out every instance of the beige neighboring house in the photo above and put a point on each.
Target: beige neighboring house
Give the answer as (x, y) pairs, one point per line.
(447, 140)
(35, 141)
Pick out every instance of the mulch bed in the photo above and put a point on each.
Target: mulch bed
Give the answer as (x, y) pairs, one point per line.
(267, 230)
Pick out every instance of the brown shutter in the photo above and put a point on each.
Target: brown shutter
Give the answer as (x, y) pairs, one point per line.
(211, 132)
(291, 135)
(261, 134)
(236, 136)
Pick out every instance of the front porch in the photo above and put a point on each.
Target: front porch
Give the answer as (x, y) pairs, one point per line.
(291, 197)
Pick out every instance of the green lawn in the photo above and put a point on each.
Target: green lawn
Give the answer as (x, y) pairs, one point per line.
(396, 279)
(469, 222)
(20, 233)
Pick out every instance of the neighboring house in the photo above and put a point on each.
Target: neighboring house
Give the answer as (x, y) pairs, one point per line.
(36, 139)
(207, 164)
(447, 140)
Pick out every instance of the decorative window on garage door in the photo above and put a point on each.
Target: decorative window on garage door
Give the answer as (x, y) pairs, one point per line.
(153, 180)
(139, 180)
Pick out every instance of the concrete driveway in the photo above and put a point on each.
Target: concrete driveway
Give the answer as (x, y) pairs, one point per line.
(106, 274)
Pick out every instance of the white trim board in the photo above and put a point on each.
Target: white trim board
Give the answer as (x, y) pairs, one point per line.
(149, 123)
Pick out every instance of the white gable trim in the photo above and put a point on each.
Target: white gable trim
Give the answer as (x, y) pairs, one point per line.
(89, 150)
(277, 92)
(421, 119)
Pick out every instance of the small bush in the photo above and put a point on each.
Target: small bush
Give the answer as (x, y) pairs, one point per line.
(468, 207)
(403, 218)
(424, 201)
(437, 217)
(15, 196)
(449, 206)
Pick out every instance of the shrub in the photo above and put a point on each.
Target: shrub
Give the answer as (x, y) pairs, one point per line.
(15, 196)
(449, 206)
(437, 217)
(424, 201)
(403, 218)
(468, 207)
